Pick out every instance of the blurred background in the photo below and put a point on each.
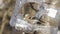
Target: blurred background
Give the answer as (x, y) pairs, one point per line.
(6, 11)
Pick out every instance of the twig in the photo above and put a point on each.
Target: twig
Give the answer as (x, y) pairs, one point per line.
(3, 22)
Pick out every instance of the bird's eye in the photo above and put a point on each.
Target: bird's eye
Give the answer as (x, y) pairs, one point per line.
(38, 23)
